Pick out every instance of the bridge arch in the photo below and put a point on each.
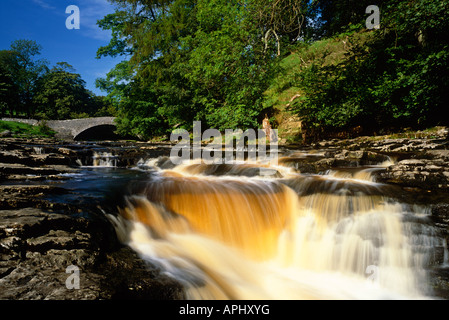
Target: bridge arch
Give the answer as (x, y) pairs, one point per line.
(99, 128)
(77, 129)
(98, 132)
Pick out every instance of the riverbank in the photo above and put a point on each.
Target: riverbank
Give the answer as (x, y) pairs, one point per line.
(40, 236)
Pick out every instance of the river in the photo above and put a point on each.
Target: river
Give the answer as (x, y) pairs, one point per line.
(232, 231)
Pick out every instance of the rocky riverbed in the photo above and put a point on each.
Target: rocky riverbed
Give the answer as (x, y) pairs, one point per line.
(40, 238)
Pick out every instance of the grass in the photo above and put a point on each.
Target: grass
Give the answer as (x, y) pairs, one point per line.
(25, 130)
(287, 85)
(324, 52)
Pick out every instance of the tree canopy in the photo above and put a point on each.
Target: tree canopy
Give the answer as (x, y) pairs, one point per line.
(30, 88)
(395, 77)
(187, 60)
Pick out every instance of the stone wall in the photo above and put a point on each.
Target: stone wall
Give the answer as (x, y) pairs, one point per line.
(68, 129)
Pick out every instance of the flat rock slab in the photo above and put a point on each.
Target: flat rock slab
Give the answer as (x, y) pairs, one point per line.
(36, 249)
(422, 173)
(39, 250)
(22, 196)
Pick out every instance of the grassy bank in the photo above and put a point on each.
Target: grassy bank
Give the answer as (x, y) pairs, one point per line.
(18, 129)
(286, 90)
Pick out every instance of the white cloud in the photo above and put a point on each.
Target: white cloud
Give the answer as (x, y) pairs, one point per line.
(91, 11)
(44, 4)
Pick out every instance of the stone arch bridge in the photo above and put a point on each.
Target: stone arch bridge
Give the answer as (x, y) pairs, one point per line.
(100, 128)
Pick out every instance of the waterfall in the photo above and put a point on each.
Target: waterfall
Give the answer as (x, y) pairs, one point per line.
(38, 150)
(226, 232)
(104, 159)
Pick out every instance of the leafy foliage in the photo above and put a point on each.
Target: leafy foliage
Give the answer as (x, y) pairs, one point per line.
(29, 88)
(194, 60)
(61, 94)
(9, 89)
(24, 70)
(397, 77)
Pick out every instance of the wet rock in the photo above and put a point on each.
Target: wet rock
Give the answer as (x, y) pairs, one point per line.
(32, 160)
(5, 133)
(329, 158)
(22, 196)
(40, 239)
(25, 162)
(440, 216)
(67, 152)
(129, 277)
(13, 169)
(422, 173)
(307, 164)
(439, 281)
(441, 211)
(38, 247)
(438, 154)
(360, 158)
(43, 276)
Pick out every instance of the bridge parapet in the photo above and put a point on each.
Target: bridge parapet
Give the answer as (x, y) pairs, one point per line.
(69, 129)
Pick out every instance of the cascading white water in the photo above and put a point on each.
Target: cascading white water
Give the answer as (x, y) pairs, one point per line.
(291, 236)
(38, 150)
(104, 159)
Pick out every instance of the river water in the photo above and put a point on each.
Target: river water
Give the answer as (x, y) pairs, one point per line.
(232, 231)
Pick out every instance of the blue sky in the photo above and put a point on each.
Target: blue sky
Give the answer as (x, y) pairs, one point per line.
(45, 22)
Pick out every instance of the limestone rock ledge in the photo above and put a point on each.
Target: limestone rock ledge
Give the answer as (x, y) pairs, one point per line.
(37, 247)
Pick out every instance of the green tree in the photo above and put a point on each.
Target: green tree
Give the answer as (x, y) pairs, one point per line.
(191, 60)
(103, 107)
(397, 77)
(62, 94)
(339, 16)
(282, 23)
(418, 55)
(29, 71)
(9, 90)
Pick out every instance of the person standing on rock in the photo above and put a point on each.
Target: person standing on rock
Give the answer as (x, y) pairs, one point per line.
(269, 133)
(267, 127)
